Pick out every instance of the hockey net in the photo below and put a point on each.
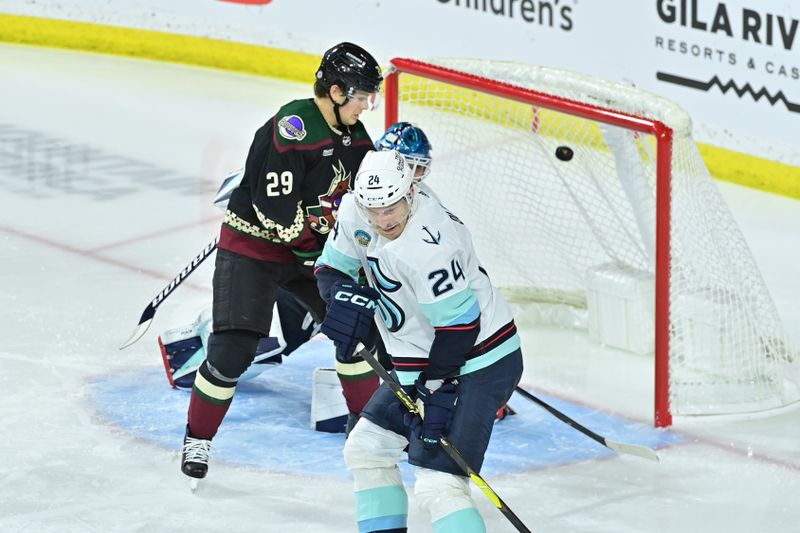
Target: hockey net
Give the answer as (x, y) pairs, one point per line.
(635, 201)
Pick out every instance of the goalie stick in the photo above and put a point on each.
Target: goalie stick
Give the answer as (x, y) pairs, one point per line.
(619, 447)
(451, 450)
(150, 311)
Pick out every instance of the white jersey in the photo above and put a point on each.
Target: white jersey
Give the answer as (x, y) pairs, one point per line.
(423, 187)
(428, 277)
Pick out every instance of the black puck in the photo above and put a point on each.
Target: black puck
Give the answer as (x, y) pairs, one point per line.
(564, 153)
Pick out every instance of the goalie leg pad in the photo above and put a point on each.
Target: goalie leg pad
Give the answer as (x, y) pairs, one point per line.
(181, 360)
(183, 350)
(328, 408)
(448, 500)
(268, 354)
(295, 322)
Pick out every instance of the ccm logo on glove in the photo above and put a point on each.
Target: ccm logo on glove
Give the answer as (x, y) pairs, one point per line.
(357, 299)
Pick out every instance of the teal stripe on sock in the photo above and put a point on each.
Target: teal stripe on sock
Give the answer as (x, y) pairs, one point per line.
(464, 521)
(381, 508)
(383, 523)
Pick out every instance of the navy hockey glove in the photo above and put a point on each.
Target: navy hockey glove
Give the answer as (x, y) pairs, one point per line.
(438, 409)
(349, 316)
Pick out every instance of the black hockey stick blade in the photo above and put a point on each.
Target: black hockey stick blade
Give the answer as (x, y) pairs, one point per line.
(451, 450)
(150, 311)
(619, 447)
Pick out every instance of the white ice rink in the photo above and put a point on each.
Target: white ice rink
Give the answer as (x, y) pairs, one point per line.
(107, 168)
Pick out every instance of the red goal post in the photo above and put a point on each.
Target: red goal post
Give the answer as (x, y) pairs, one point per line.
(439, 91)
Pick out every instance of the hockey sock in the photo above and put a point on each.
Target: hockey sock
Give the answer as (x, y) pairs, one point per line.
(463, 521)
(382, 509)
(371, 454)
(448, 500)
(211, 397)
(359, 383)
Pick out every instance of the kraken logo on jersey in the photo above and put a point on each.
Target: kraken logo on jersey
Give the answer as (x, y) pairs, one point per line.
(321, 217)
(392, 315)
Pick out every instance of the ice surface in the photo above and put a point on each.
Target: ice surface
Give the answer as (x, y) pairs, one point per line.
(107, 170)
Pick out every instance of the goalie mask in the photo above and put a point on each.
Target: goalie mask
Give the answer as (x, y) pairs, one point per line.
(412, 142)
(353, 69)
(384, 191)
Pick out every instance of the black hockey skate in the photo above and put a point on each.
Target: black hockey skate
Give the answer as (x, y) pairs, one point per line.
(194, 460)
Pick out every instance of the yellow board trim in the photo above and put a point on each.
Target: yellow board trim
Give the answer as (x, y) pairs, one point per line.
(726, 165)
(751, 171)
(161, 46)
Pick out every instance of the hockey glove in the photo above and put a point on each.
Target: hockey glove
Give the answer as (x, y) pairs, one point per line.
(349, 316)
(438, 407)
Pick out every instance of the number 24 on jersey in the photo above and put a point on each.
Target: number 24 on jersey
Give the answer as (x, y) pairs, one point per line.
(441, 278)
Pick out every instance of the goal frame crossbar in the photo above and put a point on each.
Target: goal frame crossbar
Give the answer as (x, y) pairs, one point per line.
(663, 135)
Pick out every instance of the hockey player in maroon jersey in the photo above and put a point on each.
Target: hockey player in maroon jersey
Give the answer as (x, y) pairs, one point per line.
(300, 164)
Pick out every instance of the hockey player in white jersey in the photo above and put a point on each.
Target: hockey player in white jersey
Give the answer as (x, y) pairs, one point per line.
(450, 334)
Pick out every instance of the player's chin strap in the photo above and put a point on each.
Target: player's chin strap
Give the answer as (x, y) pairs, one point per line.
(339, 124)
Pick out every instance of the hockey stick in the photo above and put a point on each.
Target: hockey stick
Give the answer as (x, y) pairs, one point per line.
(150, 310)
(619, 447)
(451, 450)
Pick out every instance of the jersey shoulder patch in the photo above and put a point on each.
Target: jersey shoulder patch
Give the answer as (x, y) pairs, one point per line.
(300, 123)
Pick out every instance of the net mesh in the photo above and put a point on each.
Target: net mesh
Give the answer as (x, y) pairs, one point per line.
(541, 223)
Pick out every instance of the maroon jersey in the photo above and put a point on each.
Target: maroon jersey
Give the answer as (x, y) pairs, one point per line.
(296, 173)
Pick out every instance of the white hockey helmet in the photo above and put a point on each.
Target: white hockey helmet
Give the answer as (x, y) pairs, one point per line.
(383, 179)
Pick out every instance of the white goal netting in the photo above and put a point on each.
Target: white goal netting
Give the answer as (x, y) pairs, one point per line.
(541, 225)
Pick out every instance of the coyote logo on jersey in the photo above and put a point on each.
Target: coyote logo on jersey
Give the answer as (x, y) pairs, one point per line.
(321, 217)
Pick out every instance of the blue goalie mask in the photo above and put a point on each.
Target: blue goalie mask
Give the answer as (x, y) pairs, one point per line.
(412, 142)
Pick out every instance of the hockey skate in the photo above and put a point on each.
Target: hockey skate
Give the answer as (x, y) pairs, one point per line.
(194, 458)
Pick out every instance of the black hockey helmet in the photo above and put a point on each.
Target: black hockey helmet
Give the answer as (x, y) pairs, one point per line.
(350, 67)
